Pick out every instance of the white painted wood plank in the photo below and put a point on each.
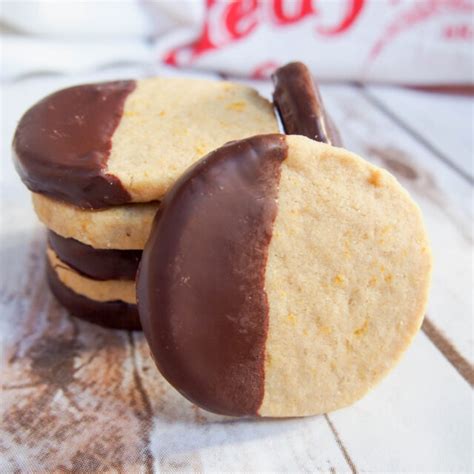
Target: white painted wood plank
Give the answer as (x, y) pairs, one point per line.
(445, 120)
(418, 420)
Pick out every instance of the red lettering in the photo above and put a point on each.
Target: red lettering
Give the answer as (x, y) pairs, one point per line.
(240, 19)
(461, 32)
(171, 57)
(283, 17)
(204, 42)
(229, 21)
(353, 11)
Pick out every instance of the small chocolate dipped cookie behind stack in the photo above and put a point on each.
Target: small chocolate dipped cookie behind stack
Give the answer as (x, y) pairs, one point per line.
(99, 157)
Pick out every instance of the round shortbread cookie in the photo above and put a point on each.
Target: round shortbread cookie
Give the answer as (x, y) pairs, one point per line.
(124, 227)
(97, 290)
(308, 281)
(112, 314)
(100, 145)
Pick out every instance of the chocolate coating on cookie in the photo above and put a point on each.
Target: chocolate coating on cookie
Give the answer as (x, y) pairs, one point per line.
(111, 314)
(300, 105)
(200, 288)
(62, 144)
(98, 264)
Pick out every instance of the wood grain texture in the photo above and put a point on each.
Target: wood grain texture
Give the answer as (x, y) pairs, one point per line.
(447, 348)
(68, 391)
(80, 398)
(443, 122)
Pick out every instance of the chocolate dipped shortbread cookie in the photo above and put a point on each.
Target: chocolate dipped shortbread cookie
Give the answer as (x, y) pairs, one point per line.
(308, 280)
(100, 145)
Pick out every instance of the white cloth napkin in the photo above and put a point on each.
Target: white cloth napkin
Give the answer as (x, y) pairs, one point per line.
(390, 41)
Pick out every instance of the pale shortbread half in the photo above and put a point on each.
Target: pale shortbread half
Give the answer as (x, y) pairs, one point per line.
(169, 123)
(347, 280)
(121, 227)
(97, 290)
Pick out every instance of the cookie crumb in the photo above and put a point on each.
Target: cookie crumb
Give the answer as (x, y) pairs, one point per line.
(373, 281)
(375, 178)
(200, 149)
(326, 330)
(338, 280)
(362, 330)
(239, 106)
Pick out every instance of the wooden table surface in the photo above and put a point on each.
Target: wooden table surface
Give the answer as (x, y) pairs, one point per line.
(79, 398)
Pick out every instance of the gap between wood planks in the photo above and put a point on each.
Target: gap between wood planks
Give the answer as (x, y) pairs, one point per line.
(341, 445)
(442, 343)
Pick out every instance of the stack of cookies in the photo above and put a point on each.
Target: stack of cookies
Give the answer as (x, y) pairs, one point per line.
(280, 275)
(98, 159)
